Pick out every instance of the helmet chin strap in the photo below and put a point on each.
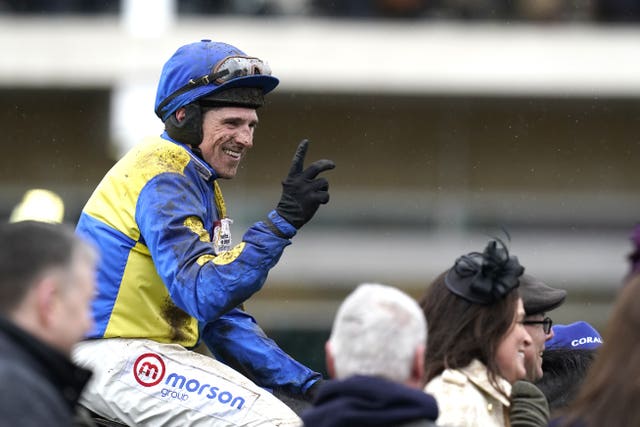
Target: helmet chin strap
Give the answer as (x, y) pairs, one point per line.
(198, 152)
(189, 129)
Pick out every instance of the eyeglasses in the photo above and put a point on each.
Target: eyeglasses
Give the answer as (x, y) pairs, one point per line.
(546, 324)
(225, 70)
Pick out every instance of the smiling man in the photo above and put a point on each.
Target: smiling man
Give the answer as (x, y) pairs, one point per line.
(529, 406)
(170, 276)
(538, 299)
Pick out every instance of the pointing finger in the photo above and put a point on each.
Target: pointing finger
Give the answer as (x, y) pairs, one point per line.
(298, 158)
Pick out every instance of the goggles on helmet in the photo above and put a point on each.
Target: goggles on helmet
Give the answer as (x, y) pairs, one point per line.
(227, 69)
(233, 67)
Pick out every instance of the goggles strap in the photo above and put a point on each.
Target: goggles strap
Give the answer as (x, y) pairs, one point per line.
(202, 81)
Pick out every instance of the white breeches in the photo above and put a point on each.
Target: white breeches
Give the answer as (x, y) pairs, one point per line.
(144, 383)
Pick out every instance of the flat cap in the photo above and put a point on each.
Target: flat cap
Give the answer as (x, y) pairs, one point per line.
(538, 297)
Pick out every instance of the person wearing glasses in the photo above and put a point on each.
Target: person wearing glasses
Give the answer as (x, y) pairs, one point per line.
(476, 338)
(538, 299)
(170, 276)
(529, 406)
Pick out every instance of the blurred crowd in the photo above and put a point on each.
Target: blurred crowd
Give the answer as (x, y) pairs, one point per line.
(590, 11)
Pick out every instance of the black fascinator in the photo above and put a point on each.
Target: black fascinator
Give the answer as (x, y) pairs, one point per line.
(483, 278)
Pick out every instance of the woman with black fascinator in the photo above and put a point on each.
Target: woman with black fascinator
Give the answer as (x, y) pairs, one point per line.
(476, 339)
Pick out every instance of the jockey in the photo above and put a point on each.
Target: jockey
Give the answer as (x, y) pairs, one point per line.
(169, 275)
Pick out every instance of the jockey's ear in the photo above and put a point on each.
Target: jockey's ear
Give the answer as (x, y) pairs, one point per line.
(329, 359)
(417, 368)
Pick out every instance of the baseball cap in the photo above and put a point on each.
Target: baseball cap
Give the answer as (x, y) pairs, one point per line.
(578, 336)
(538, 297)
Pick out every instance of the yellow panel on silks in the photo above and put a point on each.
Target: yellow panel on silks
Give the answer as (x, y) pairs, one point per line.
(156, 317)
(114, 200)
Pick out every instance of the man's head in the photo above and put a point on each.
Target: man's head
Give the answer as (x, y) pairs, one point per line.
(538, 299)
(207, 96)
(47, 279)
(567, 359)
(575, 336)
(378, 331)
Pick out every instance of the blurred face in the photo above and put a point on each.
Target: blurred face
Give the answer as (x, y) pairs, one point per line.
(533, 354)
(71, 318)
(227, 135)
(511, 350)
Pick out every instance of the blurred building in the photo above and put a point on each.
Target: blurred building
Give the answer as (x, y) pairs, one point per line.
(446, 129)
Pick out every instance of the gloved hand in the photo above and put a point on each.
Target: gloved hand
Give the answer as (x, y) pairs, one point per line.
(302, 192)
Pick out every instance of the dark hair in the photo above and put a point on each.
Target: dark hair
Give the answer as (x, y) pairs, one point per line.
(564, 370)
(27, 249)
(610, 392)
(460, 331)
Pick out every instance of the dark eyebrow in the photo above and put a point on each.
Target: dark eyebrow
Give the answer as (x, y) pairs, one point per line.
(233, 119)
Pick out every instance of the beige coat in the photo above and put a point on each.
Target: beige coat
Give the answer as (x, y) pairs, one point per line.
(466, 398)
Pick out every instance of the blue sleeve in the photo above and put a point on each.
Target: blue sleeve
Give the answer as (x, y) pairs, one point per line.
(173, 215)
(236, 340)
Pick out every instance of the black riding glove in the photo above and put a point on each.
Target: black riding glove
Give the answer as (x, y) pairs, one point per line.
(302, 192)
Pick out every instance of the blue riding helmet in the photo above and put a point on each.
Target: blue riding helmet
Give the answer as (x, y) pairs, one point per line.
(204, 68)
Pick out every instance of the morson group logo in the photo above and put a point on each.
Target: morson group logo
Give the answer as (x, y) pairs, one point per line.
(150, 370)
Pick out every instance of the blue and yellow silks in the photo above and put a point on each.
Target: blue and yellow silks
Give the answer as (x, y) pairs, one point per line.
(152, 218)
